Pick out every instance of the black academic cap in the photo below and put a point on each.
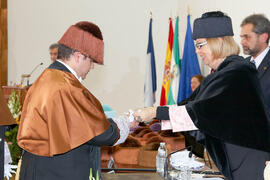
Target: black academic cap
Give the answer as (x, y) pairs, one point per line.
(212, 24)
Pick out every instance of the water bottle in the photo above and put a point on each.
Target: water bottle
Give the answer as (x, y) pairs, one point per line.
(161, 158)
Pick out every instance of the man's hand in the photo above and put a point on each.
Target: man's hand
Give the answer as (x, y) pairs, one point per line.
(133, 124)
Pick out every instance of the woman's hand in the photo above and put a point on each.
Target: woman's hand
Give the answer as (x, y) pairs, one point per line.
(145, 114)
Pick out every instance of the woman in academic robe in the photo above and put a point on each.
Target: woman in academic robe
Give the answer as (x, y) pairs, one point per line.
(227, 108)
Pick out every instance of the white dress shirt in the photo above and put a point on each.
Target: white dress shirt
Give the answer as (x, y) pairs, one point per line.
(259, 58)
(71, 70)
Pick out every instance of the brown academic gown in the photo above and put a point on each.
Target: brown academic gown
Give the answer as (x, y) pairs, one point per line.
(5, 119)
(62, 128)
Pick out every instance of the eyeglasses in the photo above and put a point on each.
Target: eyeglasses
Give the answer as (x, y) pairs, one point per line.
(201, 44)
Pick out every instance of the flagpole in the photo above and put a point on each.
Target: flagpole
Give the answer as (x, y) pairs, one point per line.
(177, 13)
(188, 10)
(190, 65)
(150, 84)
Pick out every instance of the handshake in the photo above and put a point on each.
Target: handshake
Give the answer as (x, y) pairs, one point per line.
(131, 120)
(144, 114)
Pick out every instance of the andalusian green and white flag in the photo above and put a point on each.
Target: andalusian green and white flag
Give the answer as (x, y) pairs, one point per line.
(175, 68)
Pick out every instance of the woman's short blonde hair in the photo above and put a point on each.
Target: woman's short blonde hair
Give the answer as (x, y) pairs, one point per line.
(222, 47)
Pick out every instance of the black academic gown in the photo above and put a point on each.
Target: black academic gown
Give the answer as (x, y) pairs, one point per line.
(71, 165)
(229, 110)
(264, 77)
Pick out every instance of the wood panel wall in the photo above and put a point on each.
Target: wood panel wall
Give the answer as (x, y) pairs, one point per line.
(3, 43)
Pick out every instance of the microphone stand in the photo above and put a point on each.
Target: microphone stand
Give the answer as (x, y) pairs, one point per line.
(29, 75)
(28, 82)
(167, 159)
(36, 68)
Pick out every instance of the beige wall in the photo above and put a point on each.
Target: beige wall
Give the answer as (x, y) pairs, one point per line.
(35, 24)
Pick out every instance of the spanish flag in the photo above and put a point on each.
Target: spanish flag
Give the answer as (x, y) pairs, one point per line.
(166, 76)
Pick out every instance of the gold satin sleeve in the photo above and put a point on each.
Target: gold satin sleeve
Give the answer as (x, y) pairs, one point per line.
(59, 114)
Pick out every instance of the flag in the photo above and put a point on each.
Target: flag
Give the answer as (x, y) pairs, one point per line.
(166, 75)
(150, 84)
(175, 68)
(190, 65)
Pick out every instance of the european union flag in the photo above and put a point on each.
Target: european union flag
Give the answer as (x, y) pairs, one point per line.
(190, 65)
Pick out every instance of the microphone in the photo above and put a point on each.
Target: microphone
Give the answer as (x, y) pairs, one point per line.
(29, 75)
(35, 68)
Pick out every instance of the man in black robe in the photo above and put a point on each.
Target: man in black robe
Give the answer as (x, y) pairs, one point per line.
(255, 34)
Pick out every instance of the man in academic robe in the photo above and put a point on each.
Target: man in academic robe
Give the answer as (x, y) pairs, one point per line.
(6, 119)
(63, 125)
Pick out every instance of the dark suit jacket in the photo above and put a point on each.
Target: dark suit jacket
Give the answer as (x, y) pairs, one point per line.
(264, 77)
